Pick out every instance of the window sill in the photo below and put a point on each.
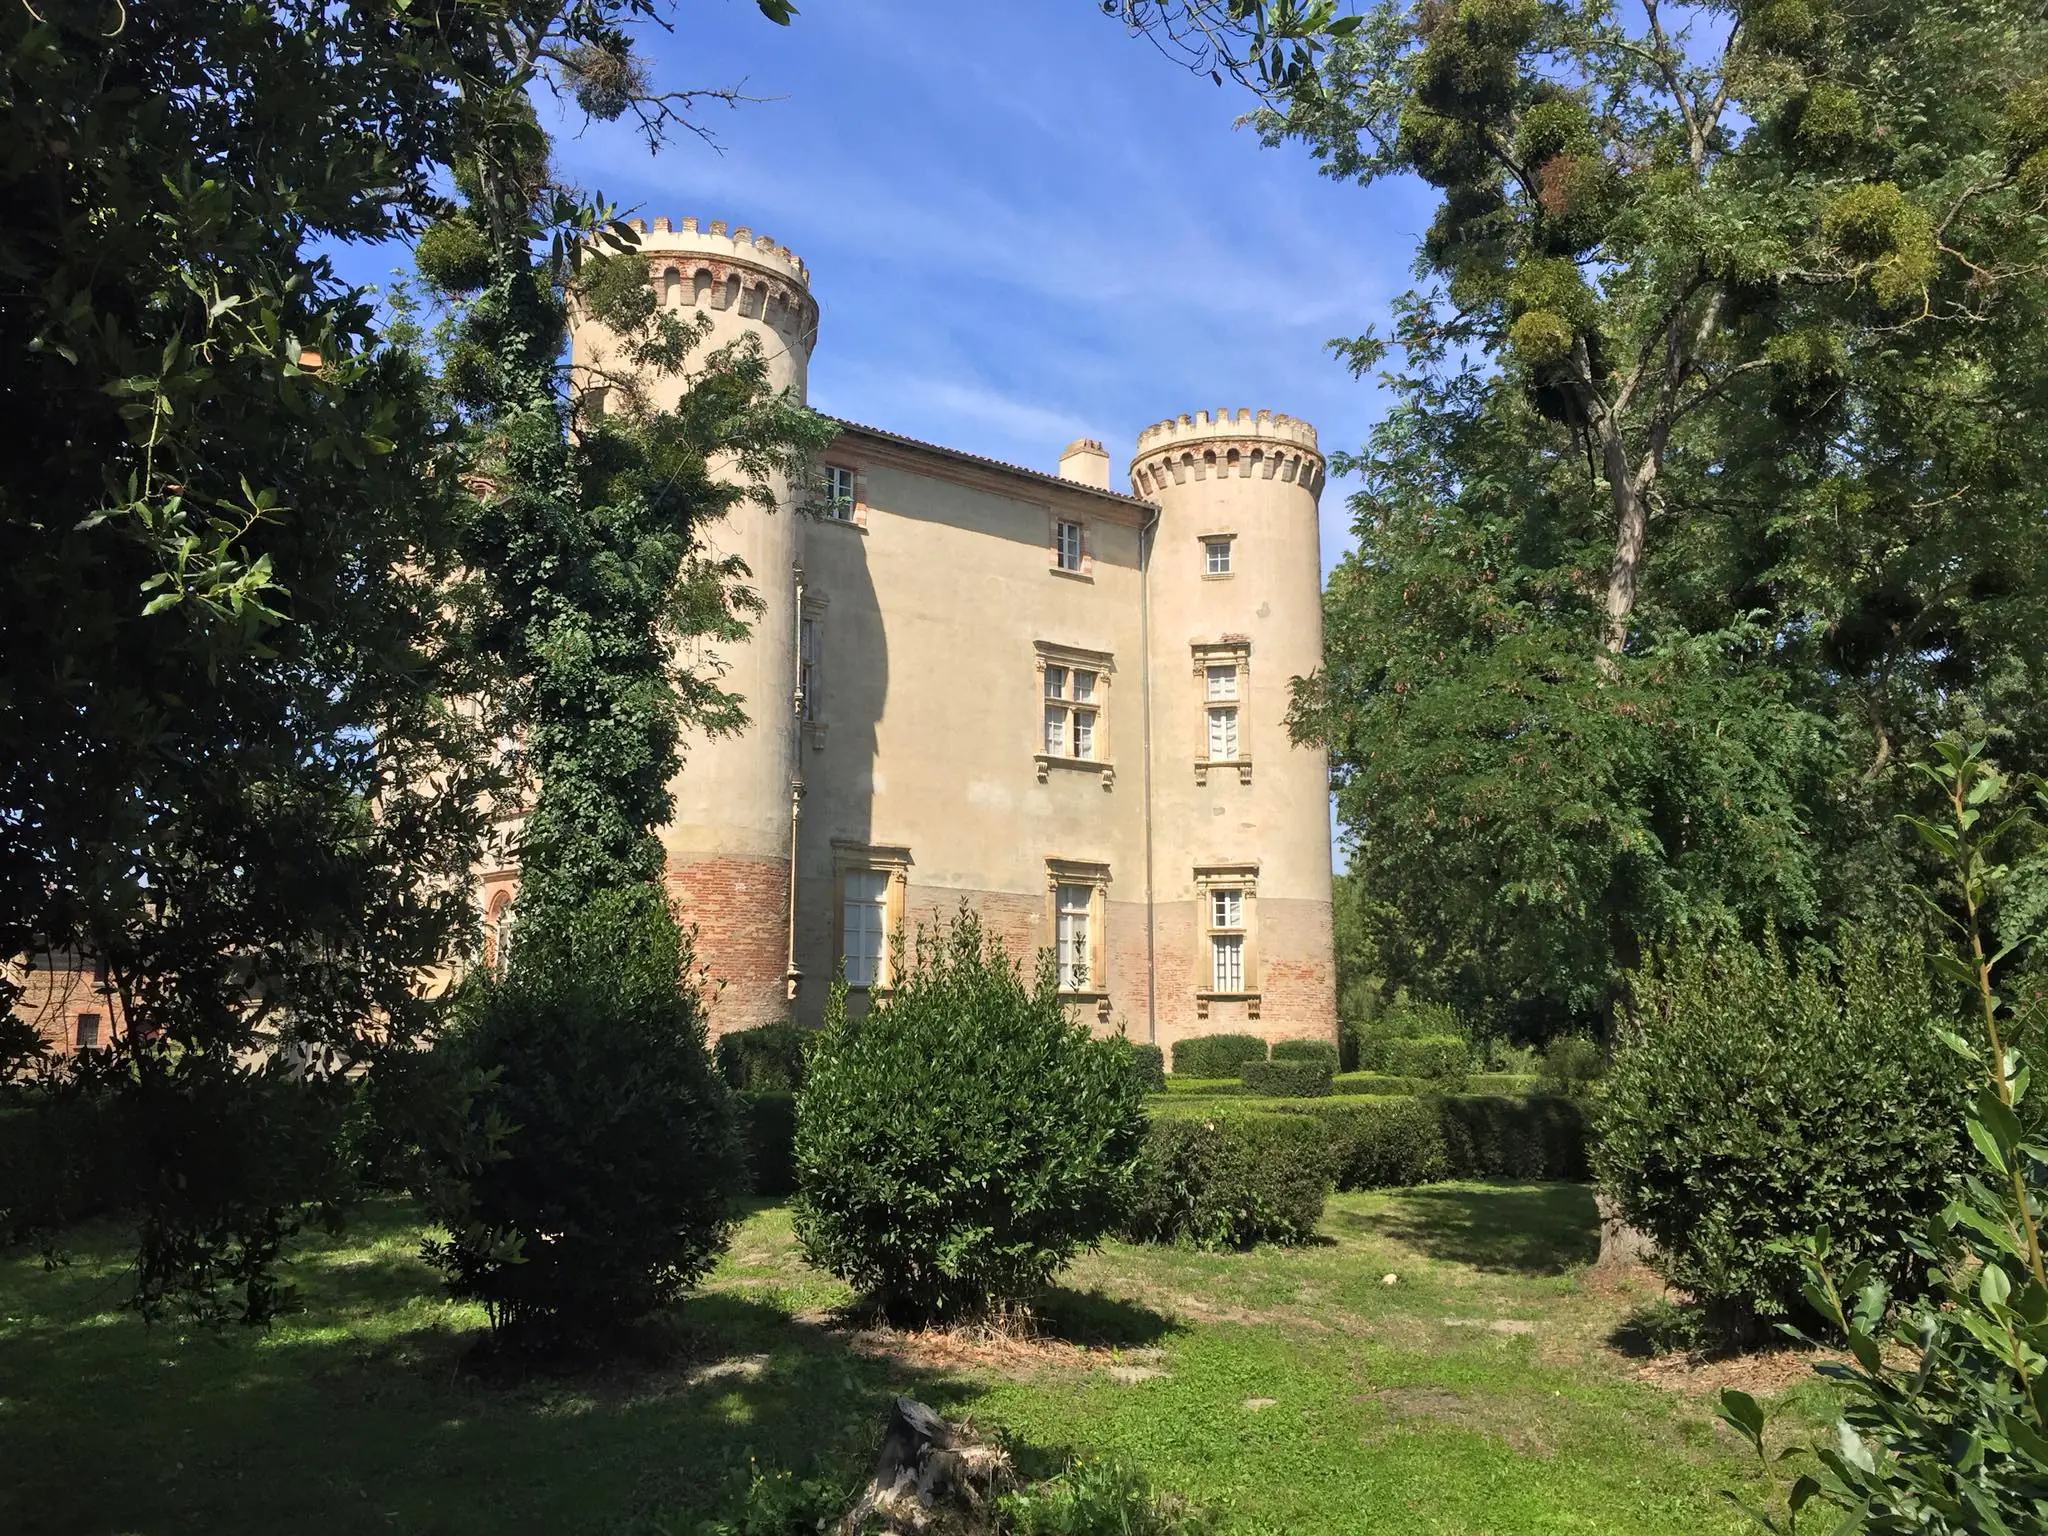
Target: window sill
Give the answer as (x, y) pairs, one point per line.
(858, 523)
(1084, 574)
(1047, 762)
(1100, 1001)
(1251, 1001)
(1203, 765)
(1217, 575)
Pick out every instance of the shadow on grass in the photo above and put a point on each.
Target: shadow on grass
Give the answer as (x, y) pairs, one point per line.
(1097, 1319)
(1528, 1229)
(374, 1409)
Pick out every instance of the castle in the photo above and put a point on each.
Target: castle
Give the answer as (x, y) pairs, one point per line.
(1060, 702)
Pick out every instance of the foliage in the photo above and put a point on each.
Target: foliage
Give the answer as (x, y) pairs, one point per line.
(1231, 1180)
(1216, 1055)
(780, 1503)
(1287, 1079)
(1441, 1059)
(1706, 494)
(1149, 1062)
(235, 605)
(1385, 1143)
(1538, 1137)
(766, 1059)
(1099, 1496)
(958, 1145)
(1404, 1018)
(591, 1177)
(1958, 1441)
(768, 1127)
(1755, 1100)
(1305, 1050)
(1572, 1064)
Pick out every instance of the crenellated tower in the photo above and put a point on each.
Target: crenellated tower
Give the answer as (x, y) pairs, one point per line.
(729, 844)
(1234, 589)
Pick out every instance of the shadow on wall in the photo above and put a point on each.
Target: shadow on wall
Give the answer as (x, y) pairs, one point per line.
(848, 650)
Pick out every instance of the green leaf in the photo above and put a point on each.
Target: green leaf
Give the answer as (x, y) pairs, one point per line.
(1744, 1415)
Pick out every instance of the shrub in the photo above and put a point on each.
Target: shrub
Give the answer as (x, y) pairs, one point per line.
(1384, 1143)
(1305, 1050)
(1287, 1079)
(1505, 1085)
(1149, 1062)
(590, 1179)
(1755, 1102)
(1404, 1019)
(1486, 1137)
(1215, 1055)
(1571, 1065)
(1377, 1084)
(1231, 1179)
(766, 1059)
(1204, 1086)
(957, 1146)
(1444, 1060)
(768, 1125)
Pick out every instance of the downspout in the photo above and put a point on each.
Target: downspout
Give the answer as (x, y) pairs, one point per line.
(1145, 696)
(791, 975)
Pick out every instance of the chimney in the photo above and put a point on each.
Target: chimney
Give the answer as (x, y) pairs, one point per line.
(1085, 462)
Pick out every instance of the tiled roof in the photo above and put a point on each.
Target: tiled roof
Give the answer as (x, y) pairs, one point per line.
(988, 463)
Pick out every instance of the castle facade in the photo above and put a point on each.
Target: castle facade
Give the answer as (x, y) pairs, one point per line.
(1060, 702)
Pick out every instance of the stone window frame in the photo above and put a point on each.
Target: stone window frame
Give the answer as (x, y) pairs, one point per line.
(857, 509)
(499, 926)
(810, 670)
(1241, 876)
(81, 1039)
(1055, 520)
(1228, 540)
(1048, 653)
(1230, 651)
(1094, 874)
(894, 861)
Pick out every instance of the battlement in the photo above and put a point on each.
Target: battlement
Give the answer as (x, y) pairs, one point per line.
(1236, 425)
(1228, 445)
(740, 244)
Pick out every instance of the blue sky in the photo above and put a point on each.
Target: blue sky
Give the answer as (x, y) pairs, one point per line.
(1023, 225)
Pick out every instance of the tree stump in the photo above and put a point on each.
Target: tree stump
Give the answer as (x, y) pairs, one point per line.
(931, 1477)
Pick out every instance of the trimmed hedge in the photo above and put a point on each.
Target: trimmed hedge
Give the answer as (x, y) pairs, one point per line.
(1305, 1050)
(1439, 1058)
(1384, 1143)
(1216, 1055)
(1379, 1084)
(766, 1059)
(1287, 1079)
(1150, 1064)
(1231, 1180)
(768, 1125)
(1541, 1137)
(1203, 1085)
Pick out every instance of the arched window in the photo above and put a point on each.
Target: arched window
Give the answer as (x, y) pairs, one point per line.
(498, 931)
(672, 288)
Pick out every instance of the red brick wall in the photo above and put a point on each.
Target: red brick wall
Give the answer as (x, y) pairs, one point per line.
(55, 991)
(738, 909)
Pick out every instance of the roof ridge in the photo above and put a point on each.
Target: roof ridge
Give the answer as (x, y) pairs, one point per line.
(982, 458)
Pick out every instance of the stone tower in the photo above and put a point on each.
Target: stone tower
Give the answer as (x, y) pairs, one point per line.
(730, 841)
(1235, 597)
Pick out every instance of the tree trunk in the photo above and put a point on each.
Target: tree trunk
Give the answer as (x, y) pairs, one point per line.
(1631, 519)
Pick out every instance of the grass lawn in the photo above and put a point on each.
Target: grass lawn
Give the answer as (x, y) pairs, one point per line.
(1290, 1391)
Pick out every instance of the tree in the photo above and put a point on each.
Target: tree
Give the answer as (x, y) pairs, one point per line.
(231, 774)
(1706, 489)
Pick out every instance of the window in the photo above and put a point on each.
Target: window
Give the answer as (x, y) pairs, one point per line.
(1076, 953)
(872, 882)
(1226, 939)
(1070, 712)
(1067, 546)
(1226, 936)
(839, 493)
(864, 926)
(498, 931)
(88, 1032)
(1221, 669)
(1216, 557)
(807, 667)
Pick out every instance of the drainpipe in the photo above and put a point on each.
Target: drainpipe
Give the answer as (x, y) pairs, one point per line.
(792, 977)
(1145, 694)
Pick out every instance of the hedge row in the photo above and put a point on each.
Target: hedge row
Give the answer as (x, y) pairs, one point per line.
(1306, 1050)
(1151, 1064)
(1287, 1079)
(1373, 1084)
(1231, 1180)
(1216, 1055)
